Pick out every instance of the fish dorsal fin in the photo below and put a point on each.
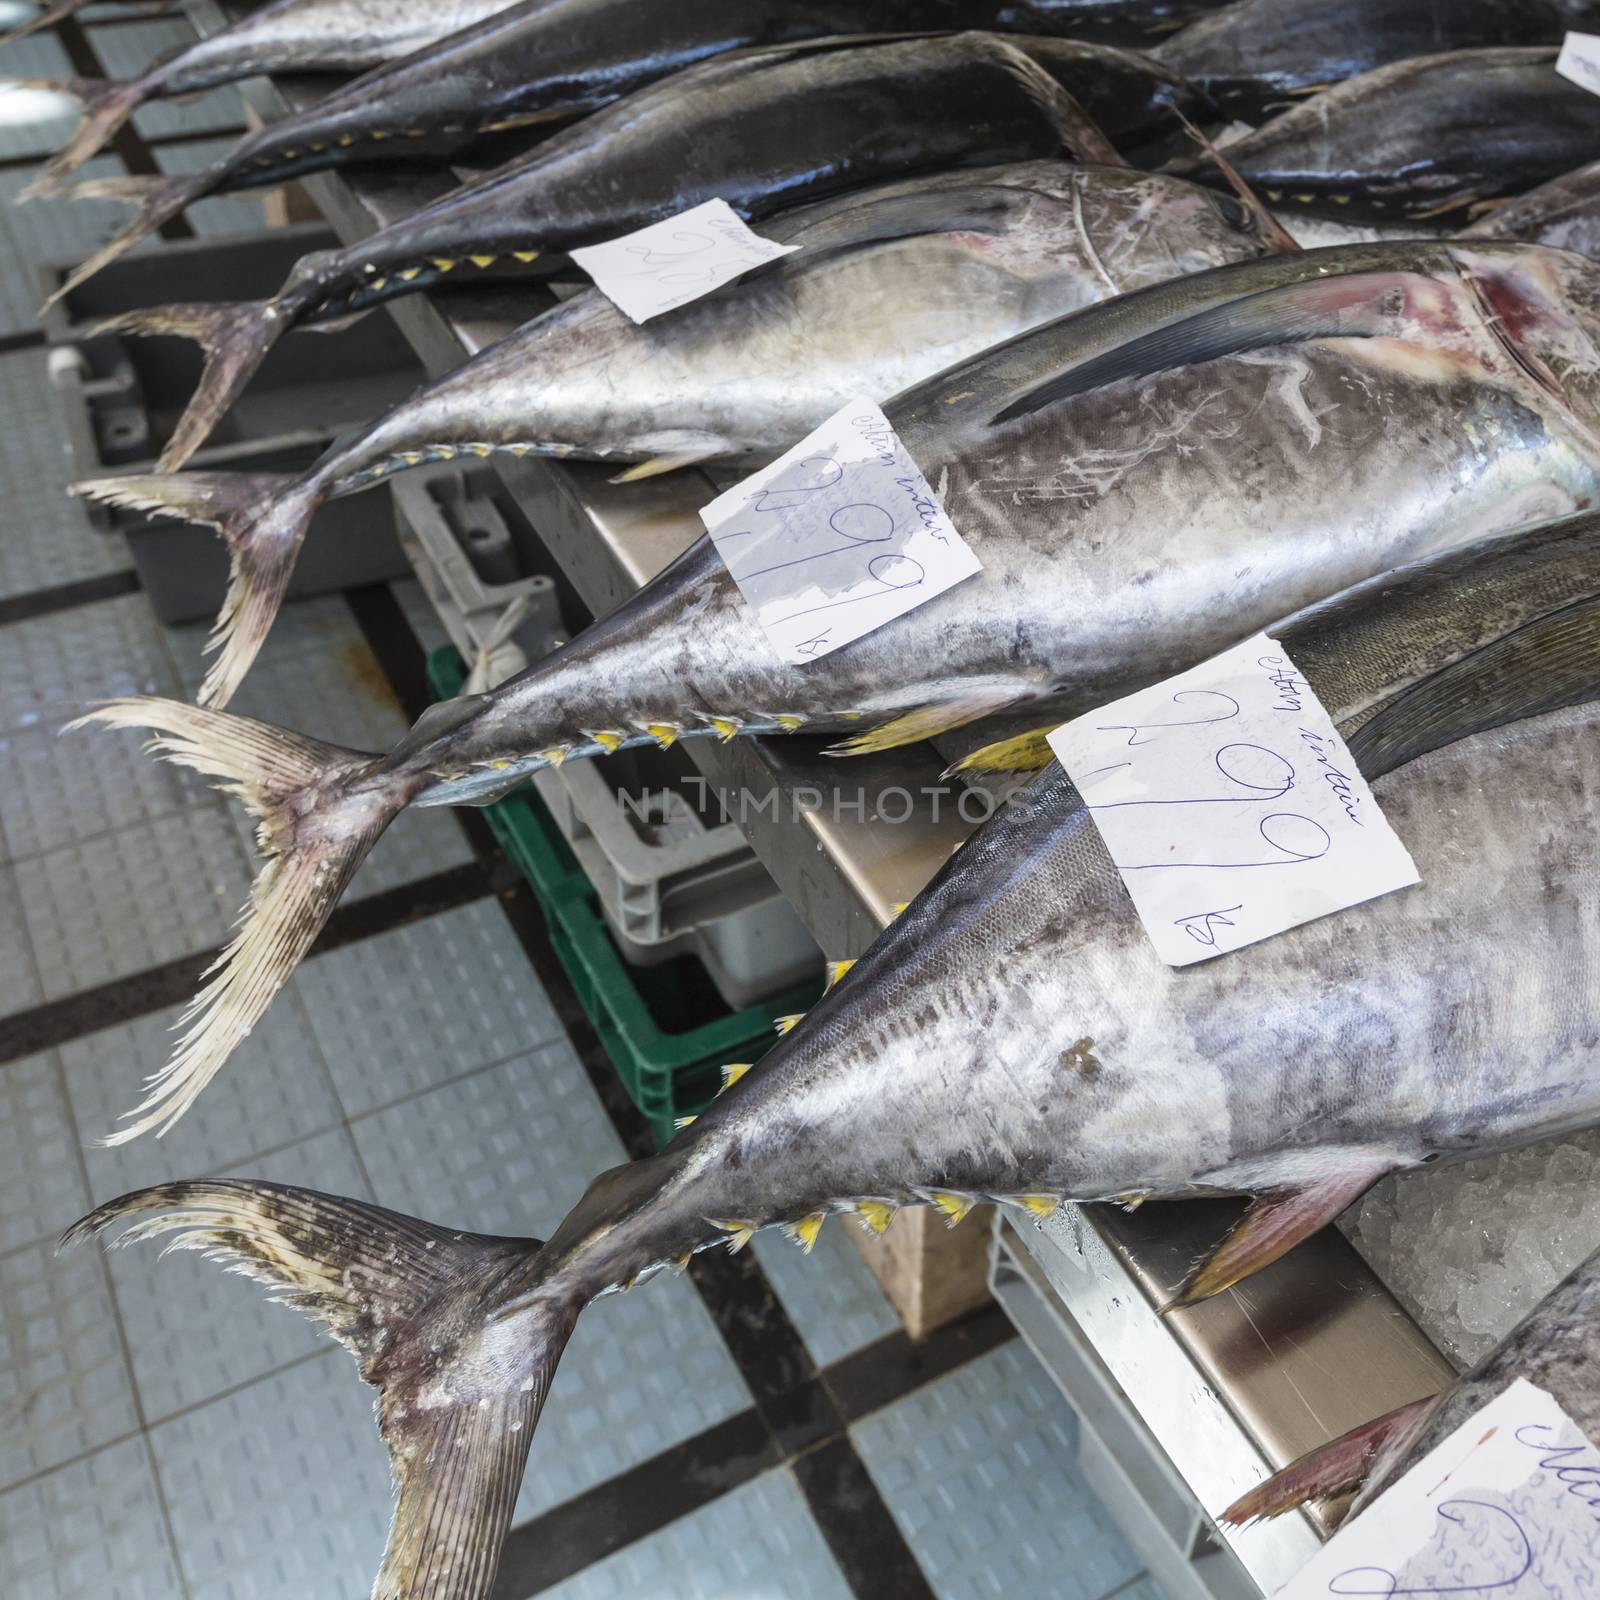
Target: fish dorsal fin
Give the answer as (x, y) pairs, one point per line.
(1542, 666)
(1353, 305)
(442, 717)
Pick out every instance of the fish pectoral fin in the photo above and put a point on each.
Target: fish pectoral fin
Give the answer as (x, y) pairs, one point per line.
(927, 722)
(657, 465)
(1272, 1226)
(1022, 752)
(1331, 306)
(1333, 1468)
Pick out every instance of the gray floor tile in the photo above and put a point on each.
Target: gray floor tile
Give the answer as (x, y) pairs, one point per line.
(424, 620)
(412, 1008)
(92, 1529)
(321, 625)
(64, 1385)
(63, 791)
(509, 1151)
(49, 537)
(19, 981)
(194, 1330)
(132, 899)
(758, 1543)
(830, 1295)
(33, 122)
(53, 667)
(281, 1490)
(273, 1091)
(41, 1182)
(979, 1471)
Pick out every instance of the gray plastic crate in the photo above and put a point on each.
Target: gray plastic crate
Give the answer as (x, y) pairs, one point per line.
(122, 398)
(671, 877)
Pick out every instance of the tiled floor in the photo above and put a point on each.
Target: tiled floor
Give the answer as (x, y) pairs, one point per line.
(165, 1433)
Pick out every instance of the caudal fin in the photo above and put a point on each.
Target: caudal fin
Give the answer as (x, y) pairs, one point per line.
(157, 198)
(459, 1395)
(235, 337)
(106, 106)
(321, 808)
(262, 517)
(1333, 1468)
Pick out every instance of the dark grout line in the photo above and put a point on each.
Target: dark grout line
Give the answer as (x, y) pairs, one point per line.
(67, 596)
(23, 339)
(797, 1410)
(57, 1022)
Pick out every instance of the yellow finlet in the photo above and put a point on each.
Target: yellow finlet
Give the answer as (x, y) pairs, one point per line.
(899, 909)
(609, 739)
(412, 458)
(556, 754)
(732, 1072)
(378, 283)
(783, 1025)
(725, 728)
(954, 1206)
(483, 261)
(876, 1215)
(1043, 1206)
(525, 255)
(837, 969)
(1023, 752)
(501, 765)
(665, 734)
(480, 450)
(406, 274)
(444, 263)
(739, 1233)
(807, 1229)
(680, 1123)
(789, 721)
(684, 1260)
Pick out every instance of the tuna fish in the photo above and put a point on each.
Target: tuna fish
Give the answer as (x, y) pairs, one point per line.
(286, 36)
(1145, 482)
(763, 130)
(1554, 1346)
(1430, 138)
(899, 283)
(1014, 1037)
(1257, 52)
(1564, 213)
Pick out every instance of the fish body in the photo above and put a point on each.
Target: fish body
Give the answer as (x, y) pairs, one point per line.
(763, 130)
(1254, 54)
(1014, 1036)
(1563, 213)
(333, 36)
(1144, 482)
(1425, 139)
(892, 286)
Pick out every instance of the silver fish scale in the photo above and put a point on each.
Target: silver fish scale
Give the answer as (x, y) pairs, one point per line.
(1409, 1026)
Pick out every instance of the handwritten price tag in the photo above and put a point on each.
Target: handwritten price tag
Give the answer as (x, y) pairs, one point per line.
(671, 263)
(1580, 60)
(1505, 1507)
(1230, 804)
(838, 537)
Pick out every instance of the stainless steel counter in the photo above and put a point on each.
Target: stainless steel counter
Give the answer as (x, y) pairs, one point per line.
(1310, 1347)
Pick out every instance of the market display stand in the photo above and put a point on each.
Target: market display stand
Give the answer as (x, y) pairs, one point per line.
(1181, 1413)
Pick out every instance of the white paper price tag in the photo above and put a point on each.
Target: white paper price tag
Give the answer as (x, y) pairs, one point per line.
(838, 536)
(671, 263)
(1505, 1507)
(1580, 60)
(1230, 804)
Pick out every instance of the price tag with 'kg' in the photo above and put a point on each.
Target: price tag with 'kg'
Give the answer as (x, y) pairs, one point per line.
(1230, 805)
(838, 536)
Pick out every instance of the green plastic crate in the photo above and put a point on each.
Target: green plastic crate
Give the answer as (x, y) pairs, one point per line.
(669, 1062)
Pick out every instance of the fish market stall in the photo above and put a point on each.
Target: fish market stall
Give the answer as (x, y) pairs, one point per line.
(1185, 1409)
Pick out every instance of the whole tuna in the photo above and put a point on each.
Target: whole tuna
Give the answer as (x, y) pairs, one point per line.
(899, 282)
(1427, 139)
(1145, 482)
(763, 130)
(1556, 1346)
(1014, 1037)
(1564, 213)
(1254, 53)
(286, 36)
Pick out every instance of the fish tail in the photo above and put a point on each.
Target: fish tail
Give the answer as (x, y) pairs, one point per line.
(158, 199)
(459, 1394)
(235, 337)
(106, 106)
(1333, 1468)
(262, 517)
(320, 809)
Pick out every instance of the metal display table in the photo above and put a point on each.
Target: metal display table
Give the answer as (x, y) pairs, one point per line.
(1217, 1393)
